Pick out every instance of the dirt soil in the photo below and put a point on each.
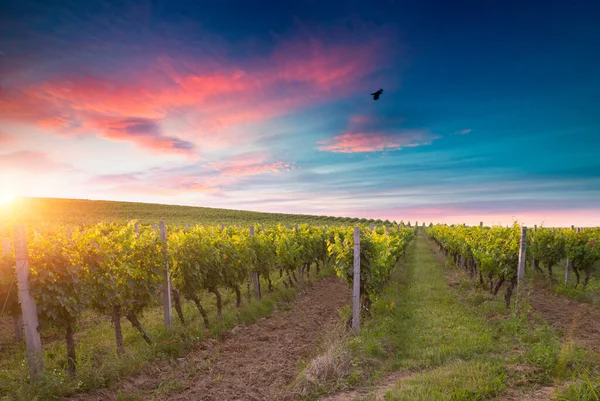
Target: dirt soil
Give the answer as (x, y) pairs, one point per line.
(579, 322)
(250, 363)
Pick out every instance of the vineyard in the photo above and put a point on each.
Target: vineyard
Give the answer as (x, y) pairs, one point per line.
(114, 298)
(116, 271)
(491, 254)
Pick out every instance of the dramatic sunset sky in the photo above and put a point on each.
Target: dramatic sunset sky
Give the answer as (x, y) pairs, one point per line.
(490, 110)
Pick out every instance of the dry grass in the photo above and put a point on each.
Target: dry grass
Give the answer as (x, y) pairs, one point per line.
(328, 370)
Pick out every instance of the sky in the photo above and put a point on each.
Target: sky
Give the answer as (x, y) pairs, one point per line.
(490, 110)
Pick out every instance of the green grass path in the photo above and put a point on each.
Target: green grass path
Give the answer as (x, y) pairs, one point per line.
(420, 325)
(458, 350)
(457, 342)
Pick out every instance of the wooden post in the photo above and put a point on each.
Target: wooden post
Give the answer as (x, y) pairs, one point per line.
(136, 228)
(262, 227)
(522, 253)
(568, 266)
(28, 307)
(222, 226)
(532, 255)
(166, 280)
(296, 227)
(481, 224)
(254, 277)
(187, 227)
(356, 282)
(17, 320)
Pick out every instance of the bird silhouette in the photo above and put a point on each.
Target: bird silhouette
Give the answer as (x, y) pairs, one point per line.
(377, 94)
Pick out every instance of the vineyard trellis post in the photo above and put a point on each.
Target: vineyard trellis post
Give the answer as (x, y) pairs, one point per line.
(254, 275)
(166, 279)
(568, 266)
(522, 254)
(301, 267)
(356, 282)
(533, 254)
(17, 320)
(28, 306)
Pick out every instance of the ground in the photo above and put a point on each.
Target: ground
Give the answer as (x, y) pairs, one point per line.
(250, 363)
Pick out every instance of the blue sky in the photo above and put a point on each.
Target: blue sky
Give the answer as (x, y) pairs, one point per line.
(489, 110)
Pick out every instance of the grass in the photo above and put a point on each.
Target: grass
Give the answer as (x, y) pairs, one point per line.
(99, 366)
(454, 341)
(459, 380)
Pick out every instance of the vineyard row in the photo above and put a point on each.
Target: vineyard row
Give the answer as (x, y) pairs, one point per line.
(120, 270)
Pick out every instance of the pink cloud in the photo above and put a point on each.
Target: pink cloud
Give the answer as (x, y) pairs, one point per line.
(155, 182)
(368, 134)
(193, 178)
(145, 133)
(5, 138)
(299, 72)
(248, 164)
(30, 162)
(255, 169)
(354, 143)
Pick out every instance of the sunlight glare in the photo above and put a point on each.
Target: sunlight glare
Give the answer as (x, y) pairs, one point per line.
(6, 196)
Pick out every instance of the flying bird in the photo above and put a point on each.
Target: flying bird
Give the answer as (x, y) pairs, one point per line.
(377, 94)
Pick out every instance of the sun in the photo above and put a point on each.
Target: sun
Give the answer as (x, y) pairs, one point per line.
(6, 196)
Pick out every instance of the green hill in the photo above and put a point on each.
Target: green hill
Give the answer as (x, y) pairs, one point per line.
(74, 211)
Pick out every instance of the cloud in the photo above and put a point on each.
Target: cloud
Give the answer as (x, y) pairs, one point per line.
(144, 133)
(369, 134)
(155, 182)
(463, 131)
(6, 138)
(30, 162)
(256, 169)
(354, 143)
(191, 178)
(203, 94)
(248, 164)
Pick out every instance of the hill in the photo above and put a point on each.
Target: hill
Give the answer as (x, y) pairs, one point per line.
(74, 211)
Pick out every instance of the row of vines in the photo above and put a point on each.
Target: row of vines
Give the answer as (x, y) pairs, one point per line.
(118, 270)
(491, 254)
